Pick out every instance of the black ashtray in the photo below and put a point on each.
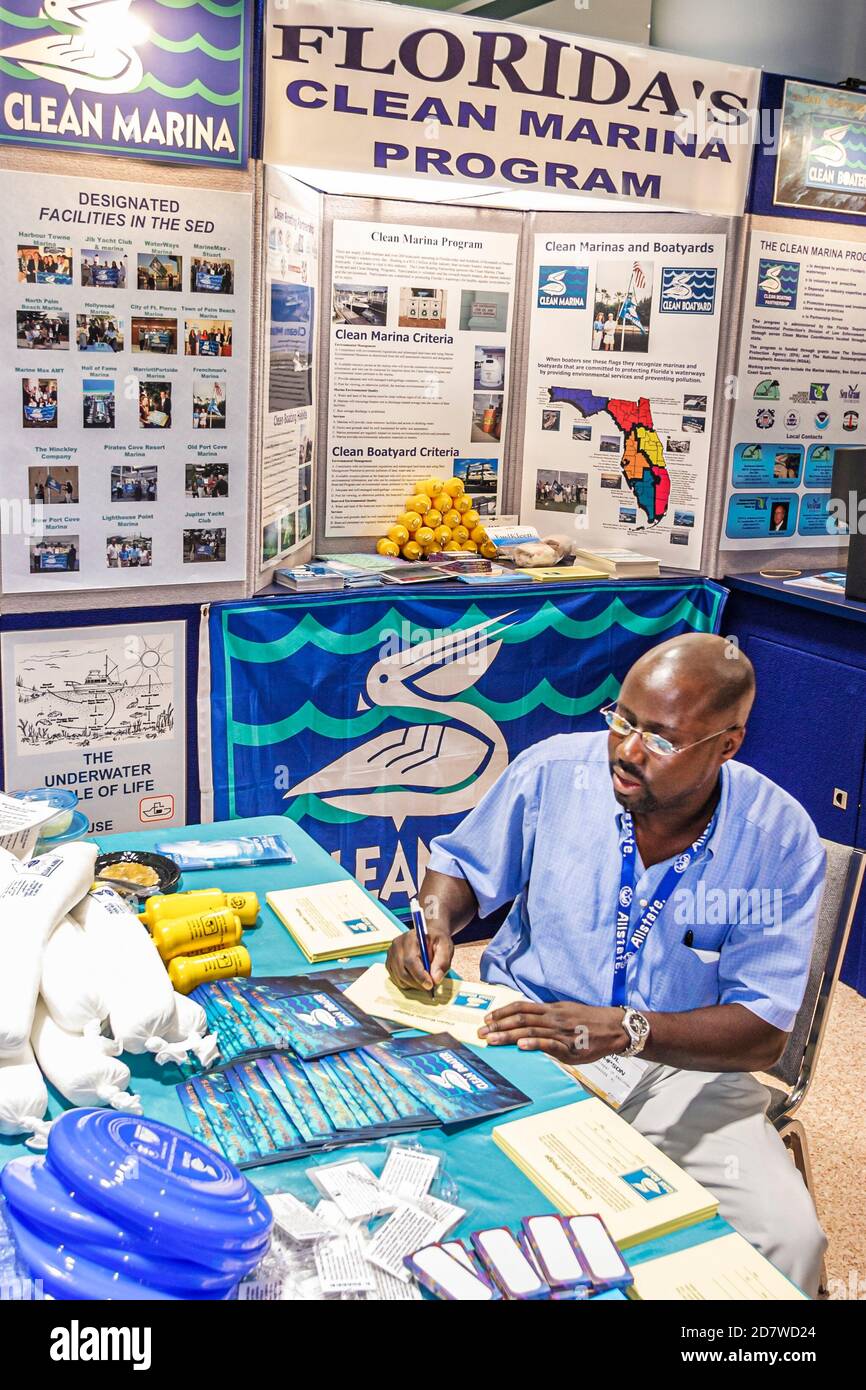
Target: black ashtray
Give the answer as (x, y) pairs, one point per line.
(130, 872)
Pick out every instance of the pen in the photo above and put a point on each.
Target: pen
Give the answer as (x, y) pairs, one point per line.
(421, 935)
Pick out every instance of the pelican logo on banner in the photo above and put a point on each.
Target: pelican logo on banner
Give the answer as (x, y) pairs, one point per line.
(160, 78)
(378, 724)
(387, 90)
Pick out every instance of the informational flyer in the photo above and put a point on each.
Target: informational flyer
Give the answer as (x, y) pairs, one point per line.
(100, 711)
(419, 376)
(125, 393)
(292, 233)
(623, 343)
(799, 381)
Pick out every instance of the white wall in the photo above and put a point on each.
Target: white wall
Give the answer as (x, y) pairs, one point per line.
(821, 39)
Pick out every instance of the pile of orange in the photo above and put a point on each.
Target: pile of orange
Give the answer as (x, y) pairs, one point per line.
(438, 516)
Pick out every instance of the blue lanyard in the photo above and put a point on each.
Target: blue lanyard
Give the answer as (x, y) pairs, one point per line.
(622, 953)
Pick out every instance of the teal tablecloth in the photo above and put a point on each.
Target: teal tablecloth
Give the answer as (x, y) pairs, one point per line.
(489, 1186)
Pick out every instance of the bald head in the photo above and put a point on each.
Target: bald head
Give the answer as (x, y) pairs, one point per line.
(710, 674)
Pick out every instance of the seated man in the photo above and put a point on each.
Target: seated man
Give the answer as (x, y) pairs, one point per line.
(664, 901)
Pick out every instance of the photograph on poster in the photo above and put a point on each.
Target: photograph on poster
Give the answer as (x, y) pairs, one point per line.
(154, 405)
(203, 545)
(305, 522)
(678, 446)
(609, 444)
(290, 360)
(55, 486)
(556, 491)
(628, 516)
(582, 433)
(39, 329)
(696, 424)
(153, 333)
(305, 450)
(684, 518)
(694, 402)
(483, 311)
(207, 338)
(39, 402)
(207, 480)
(550, 419)
(211, 276)
(44, 264)
(479, 476)
(821, 149)
(130, 551)
(55, 553)
(159, 272)
(98, 402)
(103, 268)
(287, 531)
(422, 307)
(779, 516)
(360, 304)
(271, 541)
(305, 483)
(786, 464)
(98, 333)
(133, 482)
(489, 368)
(611, 481)
(486, 417)
(623, 306)
(208, 404)
(78, 693)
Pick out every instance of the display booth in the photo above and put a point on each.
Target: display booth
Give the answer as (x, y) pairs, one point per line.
(270, 268)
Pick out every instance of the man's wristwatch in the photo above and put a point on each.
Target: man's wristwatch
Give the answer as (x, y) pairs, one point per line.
(638, 1029)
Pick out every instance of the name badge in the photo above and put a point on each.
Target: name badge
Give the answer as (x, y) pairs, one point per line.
(612, 1078)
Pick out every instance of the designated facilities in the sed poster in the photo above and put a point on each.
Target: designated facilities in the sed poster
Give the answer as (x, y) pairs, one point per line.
(305, 521)
(478, 476)
(39, 402)
(550, 420)
(682, 518)
(623, 306)
(55, 486)
(305, 483)
(559, 491)
(287, 531)
(98, 402)
(55, 555)
(133, 482)
(582, 434)
(270, 542)
(678, 446)
(159, 272)
(364, 305)
(483, 311)
(695, 424)
(422, 306)
(154, 333)
(208, 404)
(103, 269)
(611, 481)
(207, 480)
(98, 333)
(211, 276)
(204, 545)
(154, 405)
(489, 370)
(751, 516)
(44, 263)
(130, 551)
(207, 338)
(39, 330)
(486, 416)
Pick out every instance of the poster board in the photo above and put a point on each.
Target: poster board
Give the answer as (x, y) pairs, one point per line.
(127, 393)
(289, 402)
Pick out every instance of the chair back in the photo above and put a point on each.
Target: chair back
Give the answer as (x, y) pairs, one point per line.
(796, 1066)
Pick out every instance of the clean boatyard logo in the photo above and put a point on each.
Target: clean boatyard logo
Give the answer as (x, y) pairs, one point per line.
(164, 78)
(562, 286)
(688, 290)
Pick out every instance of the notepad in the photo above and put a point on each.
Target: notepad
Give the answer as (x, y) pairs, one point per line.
(330, 920)
(458, 1007)
(727, 1269)
(585, 1158)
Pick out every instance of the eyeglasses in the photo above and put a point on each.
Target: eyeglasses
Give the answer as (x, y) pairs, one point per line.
(653, 742)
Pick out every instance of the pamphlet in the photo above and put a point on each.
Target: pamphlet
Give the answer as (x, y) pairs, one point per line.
(458, 1006)
(330, 920)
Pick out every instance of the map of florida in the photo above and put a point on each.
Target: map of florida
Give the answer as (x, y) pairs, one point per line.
(643, 460)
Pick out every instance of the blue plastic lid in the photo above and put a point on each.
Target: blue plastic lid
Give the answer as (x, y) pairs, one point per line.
(77, 828)
(38, 1197)
(67, 1275)
(62, 797)
(154, 1178)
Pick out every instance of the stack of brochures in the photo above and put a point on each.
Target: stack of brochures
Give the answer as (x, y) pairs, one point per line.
(562, 574)
(330, 920)
(620, 564)
(281, 1106)
(727, 1269)
(585, 1158)
(309, 579)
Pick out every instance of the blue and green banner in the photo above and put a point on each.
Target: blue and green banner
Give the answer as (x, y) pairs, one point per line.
(164, 79)
(377, 721)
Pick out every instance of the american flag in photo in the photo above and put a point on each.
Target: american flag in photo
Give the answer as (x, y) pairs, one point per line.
(639, 277)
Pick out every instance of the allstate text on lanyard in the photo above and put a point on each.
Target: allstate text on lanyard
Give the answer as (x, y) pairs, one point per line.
(622, 953)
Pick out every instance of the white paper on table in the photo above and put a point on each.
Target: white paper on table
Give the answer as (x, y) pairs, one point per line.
(20, 822)
(409, 1172)
(342, 1268)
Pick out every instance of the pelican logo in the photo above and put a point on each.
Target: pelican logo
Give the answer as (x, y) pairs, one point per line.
(647, 1183)
(99, 55)
(777, 284)
(439, 767)
(688, 290)
(562, 286)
